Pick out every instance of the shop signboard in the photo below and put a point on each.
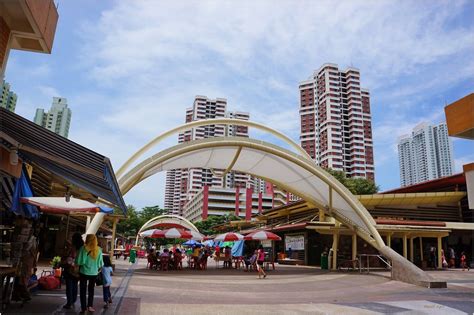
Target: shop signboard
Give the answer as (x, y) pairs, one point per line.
(295, 242)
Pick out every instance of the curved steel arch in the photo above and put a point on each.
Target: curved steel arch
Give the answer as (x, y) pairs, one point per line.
(151, 166)
(168, 218)
(205, 122)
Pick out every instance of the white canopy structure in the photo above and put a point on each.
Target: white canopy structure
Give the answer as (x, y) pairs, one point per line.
(286, 169)
(295, 172)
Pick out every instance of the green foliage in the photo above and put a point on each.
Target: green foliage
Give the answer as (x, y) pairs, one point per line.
(148, 213)
(55, 262)
(357, 186)
(135, 219)
(207, 227)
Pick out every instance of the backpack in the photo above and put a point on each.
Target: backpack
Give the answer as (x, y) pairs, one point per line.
(48, 281)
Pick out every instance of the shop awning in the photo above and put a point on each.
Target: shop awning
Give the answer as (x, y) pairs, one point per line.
(80, 166)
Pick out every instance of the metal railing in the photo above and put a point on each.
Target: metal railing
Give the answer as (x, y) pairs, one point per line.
(367, 256)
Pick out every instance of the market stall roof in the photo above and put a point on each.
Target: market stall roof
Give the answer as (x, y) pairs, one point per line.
(77, 164)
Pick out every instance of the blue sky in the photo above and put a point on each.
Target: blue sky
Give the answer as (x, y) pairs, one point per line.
(130, 68)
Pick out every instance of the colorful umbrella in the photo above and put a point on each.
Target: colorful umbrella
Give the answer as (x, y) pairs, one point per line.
(175, 233)
(261, 236)
(228, 237)
(148, 233)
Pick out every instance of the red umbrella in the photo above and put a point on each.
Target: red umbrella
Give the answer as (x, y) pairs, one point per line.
(261, 236)
(229, 237)
(177, 233)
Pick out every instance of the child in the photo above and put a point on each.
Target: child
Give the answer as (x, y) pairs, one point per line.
(107, 276)
(464, 262)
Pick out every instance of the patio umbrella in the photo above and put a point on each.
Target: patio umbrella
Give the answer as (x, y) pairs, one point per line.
(60, 205)
(192, 243)
(148, 233)
(230, 236)
(175, 233)
(261, 236)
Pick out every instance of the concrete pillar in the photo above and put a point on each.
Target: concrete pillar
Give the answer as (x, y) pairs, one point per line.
(405, 246)
(354, 246)
(88, 223)
(411, 249)
(95, 223)
(389, 240)
(440, 260)
(335, 244)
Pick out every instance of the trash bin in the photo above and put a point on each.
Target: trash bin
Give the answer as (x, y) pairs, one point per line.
(324, 261)
(133, 255)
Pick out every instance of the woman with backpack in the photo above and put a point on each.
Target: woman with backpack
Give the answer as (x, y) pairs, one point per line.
(89, 259)
(71, 273)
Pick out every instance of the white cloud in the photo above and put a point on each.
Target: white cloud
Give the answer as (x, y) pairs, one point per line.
(142, 63)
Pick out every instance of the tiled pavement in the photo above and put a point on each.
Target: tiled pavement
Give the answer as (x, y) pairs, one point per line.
(287, 290)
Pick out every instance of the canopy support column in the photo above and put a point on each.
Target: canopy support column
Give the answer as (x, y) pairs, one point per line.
(354, 247)
(440, 259)
(95, 223)
(411, 249)
(389, 239)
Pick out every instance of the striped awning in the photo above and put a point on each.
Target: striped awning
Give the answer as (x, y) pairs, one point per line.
(76, 164)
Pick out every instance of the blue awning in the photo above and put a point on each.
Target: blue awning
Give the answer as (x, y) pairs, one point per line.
(23, 189)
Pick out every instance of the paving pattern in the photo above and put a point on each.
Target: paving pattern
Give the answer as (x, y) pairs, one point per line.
(287, 290)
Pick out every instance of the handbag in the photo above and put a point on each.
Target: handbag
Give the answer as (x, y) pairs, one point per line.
(100, 279)
(74, 271)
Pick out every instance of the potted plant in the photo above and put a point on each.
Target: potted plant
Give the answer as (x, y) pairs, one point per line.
(56, 265)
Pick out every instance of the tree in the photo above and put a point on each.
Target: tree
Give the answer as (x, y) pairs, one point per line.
(148, 213)
(130, 225)
(357, 186)
(207, 226)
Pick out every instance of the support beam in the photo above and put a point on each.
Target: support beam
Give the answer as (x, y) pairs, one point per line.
(322, 216)
(405, 246)
(88, 223)
(411, 249)
(440, 260)
(112, 248)
(354, 246)
(95, 223)
(389, 240)
(335, 245)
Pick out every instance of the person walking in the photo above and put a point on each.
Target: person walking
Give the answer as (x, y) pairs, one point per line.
(464, 262)
(71, 273)
(260, 260)
(107, 276)
(89, 260)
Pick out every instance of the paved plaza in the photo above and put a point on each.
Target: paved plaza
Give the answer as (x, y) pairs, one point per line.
(286, 290)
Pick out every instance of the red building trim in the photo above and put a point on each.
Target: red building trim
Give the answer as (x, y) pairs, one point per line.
(205, 202)
(237, 202)
(248, 204)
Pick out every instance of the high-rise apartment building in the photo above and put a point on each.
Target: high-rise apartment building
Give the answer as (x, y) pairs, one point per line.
(426, 154)
(183, 184)
(58, 119)
(7, 98)
(336, 127)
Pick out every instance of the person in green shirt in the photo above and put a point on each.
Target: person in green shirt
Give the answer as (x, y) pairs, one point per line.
(89, 259)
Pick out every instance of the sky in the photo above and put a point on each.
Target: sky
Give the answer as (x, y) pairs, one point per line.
(129, 69)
